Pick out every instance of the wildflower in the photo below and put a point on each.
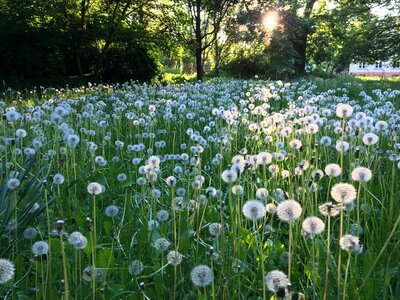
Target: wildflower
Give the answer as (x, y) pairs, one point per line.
(152, 225)
(34, 208)
(13, 183)
(229, 176)
(58, 178)
(237, 190)
(254, 210)
(121, 177)
(344, 110)
(265, 158)
(21, 133)
(215, 229)
(40, 248)
(171, 181)
(73, 140)
(178, 204)
(78, 240)
(313, 226)
(317, 174)
(343, 193)
(351, 243)
(94, 188)
(370, 139)
(99, 276)
(276, 280)
(211, 191)
(111, 211)
(162, 215)
(7, 270)
(361, 174)
(342, 146)
(326, 141)
(295, 144)
(288, 210)
(333, 170)
(180, 192)
(270, 208)
(30, 233)
(162, 244)
(174, 258)
(262, 193)
(201, 275)
(135, 267)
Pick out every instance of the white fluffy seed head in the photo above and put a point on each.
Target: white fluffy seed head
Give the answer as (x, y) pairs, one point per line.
(253, 210)
(351, 243)
(343, 193)
(276, 280)
(361, 174)
(174, 258)
(7, 270)
(288, 210)
(94, 188)
(370, 139)
(201, 275)
(344, 110)
(313, 226)
(40, 248)
(77, 240)
(333, 170)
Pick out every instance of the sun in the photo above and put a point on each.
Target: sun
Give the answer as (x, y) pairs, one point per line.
(270, 20)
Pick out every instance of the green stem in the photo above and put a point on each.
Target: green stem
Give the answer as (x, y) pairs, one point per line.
(345, 276)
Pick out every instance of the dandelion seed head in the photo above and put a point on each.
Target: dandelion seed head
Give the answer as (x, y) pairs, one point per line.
(58, 179)
(94, 188)
(370, 139)
(7, 270)
(162, 244)
(162, 215)
(343, 193)
(99, 276)
(201, 275)
(111, 211)
(276, 280)
(344, 110)
(13, 183)
(229, 176)
(313, 226)
(30, 233)
(174, 258)
(289, 210)
(361, 174)
(351, 243)
(78, 240)
(135, 267)
(253, 210)
(215, 229)
(40, 248)
(333, 170)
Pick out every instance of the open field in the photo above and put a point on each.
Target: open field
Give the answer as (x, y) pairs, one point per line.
(201, 191)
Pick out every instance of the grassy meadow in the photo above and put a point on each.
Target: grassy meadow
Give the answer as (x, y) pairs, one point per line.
(228, 189)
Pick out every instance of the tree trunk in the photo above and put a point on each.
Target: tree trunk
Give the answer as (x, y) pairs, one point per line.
(217, 55)
(301, 48)
(199, 48)
(301, 42)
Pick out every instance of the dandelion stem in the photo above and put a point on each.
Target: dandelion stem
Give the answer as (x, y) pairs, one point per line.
(345, 276)
(339, 257)
(328, 253)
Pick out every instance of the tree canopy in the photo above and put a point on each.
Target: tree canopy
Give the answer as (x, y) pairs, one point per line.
(119, 40)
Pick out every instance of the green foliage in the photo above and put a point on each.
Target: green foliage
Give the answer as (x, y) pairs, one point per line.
(16, 204)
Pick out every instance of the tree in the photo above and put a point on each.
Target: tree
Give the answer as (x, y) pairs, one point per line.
(206, 18)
